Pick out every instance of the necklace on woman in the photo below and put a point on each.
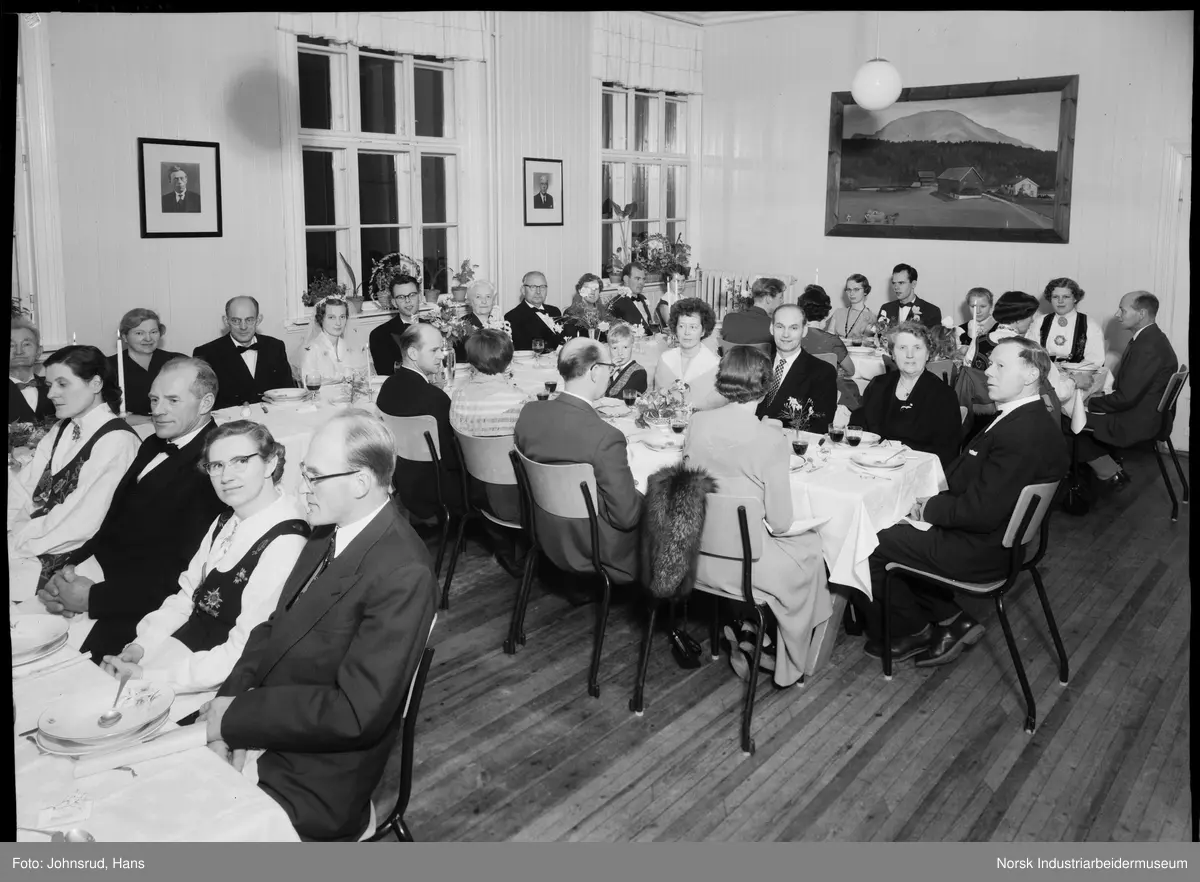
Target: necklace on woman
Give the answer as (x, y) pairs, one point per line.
(904, 388)
(850, 320)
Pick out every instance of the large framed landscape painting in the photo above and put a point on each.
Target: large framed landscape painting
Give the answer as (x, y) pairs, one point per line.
(977, 161)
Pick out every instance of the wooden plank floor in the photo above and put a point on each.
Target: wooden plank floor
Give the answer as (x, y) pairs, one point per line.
(513, 748)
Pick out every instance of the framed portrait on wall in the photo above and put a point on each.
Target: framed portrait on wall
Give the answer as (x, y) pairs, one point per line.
(180, 188)
(543, 192)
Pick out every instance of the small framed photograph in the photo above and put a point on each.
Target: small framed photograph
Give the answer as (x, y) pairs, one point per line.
(543, 192)
(180, 187)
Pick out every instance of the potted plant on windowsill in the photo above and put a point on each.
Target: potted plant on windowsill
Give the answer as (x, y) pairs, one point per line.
(463, 278)
(384, 270)
(625, 215)
(322, 286)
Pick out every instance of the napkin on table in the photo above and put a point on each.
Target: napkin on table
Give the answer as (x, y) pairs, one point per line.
(177, 740)
(797, 527)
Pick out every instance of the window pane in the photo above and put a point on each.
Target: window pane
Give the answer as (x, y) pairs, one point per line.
(676, 127)
(643, 124)
(607, 245)
(377, 194)
(319, 207)
(613, 120)
(433, 190)
(645, 190)
(376, 244)
(612, 185)
(377, 94)
(321, 250)
(316, 110)
(639, 231)
(676, 191)
(436, 259)
(675, 229)
(430, 101)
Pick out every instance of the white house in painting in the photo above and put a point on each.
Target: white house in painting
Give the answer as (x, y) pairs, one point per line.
(1021, 187)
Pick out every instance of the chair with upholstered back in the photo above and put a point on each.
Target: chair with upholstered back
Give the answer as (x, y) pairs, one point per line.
(1030, 521)
(487, 461)
(945, 368)
(565, 490)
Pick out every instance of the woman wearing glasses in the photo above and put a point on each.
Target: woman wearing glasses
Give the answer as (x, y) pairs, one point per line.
(856, 320)
(405, 298)
(233, 581)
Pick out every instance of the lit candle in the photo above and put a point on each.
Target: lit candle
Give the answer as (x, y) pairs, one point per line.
(121, 372)
(817, 276)
(73, 340)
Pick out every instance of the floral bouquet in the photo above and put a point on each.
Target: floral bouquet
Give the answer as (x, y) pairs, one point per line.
(24, 437)
(945, 341)
(445, 316)
(658, 254)
(324, 288)
(496, 322)
(879, 329)
(384, 269)
(798, 415)
(656, 408)
(739, 298)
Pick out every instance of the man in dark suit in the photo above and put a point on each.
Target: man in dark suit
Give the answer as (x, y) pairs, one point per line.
(247, 363)
(568, 430)
(159, 514)
(634, 310)
(1023, 445)
(532, 319)
(908, 306)
(798, 375)
(180, 200)
(384, 341)
(1129, 413)
(542, 199)
(321, 684)
(752, 326)
(27, 393)
(408, 392)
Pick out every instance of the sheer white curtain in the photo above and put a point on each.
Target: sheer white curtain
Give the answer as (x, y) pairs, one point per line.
(647, 53)
(453, 34)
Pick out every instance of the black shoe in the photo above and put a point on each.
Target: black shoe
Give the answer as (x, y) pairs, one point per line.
(682, 648)
(949, 641)
(689, 644)
(903, 648)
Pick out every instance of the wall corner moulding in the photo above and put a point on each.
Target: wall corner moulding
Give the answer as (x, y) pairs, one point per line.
(975, 161)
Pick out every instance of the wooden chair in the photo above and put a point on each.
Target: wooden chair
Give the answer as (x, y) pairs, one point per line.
(417, 440)
(565, 491)
(945, 368)
(1030, 519)
(487, 461)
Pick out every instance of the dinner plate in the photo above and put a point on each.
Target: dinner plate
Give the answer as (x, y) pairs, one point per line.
(522, 354)
(662, 442)
(285, 394)
(861, 350)
(613, 410)
(105, 741)
(875, 460)
(40, 653)
(869, 439)
(31, 634)
(75, 719)
(57, 748)
(376, 382)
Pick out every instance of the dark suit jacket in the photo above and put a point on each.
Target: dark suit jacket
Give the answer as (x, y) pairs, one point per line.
(321, 686)
(927, 421)
(407, 393)
(235, 385)
(148, 537)
(567, 429)
(1129, 413)
(138, 379)
(460, 345)
(809, 377)
(19, 410)
(623, 308)
(189, 205)
(540, 201)
(526, 326)
(931, 316)
(384, 343)
(750, 326)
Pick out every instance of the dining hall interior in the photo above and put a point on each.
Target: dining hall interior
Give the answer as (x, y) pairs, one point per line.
(499, 146)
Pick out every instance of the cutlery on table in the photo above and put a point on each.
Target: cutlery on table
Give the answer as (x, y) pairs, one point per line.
(75, 834)
(111, 716)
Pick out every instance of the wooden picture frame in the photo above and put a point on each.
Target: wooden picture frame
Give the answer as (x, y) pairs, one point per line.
(998, 203)
(543, 182)
(179, 187)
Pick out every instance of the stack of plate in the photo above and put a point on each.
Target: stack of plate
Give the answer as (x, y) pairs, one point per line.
(71, 727)
(35, 637)
(284, 396)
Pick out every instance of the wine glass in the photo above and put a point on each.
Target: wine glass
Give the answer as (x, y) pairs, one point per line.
(629, 396)
(854, 435)
(312, 382)
(539, 346)
(836, 433)
(679, 422)
(551, 386)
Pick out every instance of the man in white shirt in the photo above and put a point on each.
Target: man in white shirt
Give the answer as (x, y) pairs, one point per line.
(532, 318)
(798, 376)
(246, 362)
(27, 393)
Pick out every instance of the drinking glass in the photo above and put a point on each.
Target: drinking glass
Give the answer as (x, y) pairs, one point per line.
(539, 346)
(854, 435)
(543, 396)
(551, 385)
(836, 433)
(856, 340)
(312, 382)
(629, 396)
(799, 445)
(679, 422)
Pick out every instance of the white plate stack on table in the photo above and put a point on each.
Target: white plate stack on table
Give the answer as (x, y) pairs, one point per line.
(35, 637)
(285, 396)
(75, 726)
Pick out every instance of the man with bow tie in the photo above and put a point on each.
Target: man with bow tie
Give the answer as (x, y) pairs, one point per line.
(633, 309)
(532, 319)
(246, 362)
(908, 307)
(159, 514)
(27, 392)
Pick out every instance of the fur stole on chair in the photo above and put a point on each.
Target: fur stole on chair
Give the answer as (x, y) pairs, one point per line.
(672, 524)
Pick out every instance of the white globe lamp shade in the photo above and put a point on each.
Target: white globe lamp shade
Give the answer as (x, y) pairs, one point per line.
(876, 85)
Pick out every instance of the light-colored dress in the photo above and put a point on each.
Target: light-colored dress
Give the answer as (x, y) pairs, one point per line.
(750, 458)
(486, 406)
(851, 320)
(333, 357)
(701, 376)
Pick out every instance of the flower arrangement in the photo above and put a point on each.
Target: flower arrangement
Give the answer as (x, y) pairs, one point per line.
(382, 272)
(496, 322)
(590, 318)
(945, 341)
(739, 298)
(445, 316)
(880, 328)
(24, 437)
(466, 273)
(658, 254)
(657, 406)
(324, 288)
(798, 415)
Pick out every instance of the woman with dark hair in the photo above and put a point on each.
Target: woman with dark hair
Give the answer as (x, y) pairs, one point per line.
(142, 332)
(59, 498)
(489, 403)
(751, 458)
(674, 283)
(626, 372)
(1067, 334)
(691, 321)
(816, 306)
(233, 581)
(587, 310)
(857, 319)
(330, 352)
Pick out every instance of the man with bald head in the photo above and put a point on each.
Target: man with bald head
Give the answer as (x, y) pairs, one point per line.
(532, 319)
(798, 375)
(246, 362)
(159, 514)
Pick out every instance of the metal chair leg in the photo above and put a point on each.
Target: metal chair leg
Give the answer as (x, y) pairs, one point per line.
(1162, 467)
(598, 643)
(1030, 707)
(752, 682)
(1063, 671)
(636, 704)
(886, 626)
(516, 632)
(444, 523)
(404, 834)
(1179, 468)
(714, 629)
(454, 553)
(525, 599)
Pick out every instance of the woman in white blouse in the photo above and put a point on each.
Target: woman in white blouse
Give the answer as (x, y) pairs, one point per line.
(1067, 334)
(692, 321)
(233, 581)
(330, 352)
(59, 498)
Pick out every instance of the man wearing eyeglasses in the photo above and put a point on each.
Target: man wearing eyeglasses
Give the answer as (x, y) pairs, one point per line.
(321, 685)
(532, 319)
(246, 362)
(384, 341)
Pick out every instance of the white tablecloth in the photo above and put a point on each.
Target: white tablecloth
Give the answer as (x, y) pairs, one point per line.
(188, 796)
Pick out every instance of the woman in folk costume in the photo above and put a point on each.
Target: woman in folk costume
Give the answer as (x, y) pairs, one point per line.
(1066, 334)
(59, 498)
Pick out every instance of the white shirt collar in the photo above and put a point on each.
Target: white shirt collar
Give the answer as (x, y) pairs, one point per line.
(1010, 406)
(419, 373)
(253, 340)
(343, 536)
(280, 509)
(531, 306)
(15, 380)
(701, 362)
(1139, 330)
(788, 360)
(184, 440)
(93, 419)
(590, 403)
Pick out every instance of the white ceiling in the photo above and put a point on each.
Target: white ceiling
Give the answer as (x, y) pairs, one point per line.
(716, 18)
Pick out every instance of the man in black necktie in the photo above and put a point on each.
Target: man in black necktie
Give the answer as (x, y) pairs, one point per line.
(27, 392)
(180, 199)
(532, 319)
(246, 362)
(322, 683)
(633, 309)
(159, 514)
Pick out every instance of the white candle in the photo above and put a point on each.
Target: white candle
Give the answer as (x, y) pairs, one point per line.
(817, 276)
(121, 372)
(73, 340)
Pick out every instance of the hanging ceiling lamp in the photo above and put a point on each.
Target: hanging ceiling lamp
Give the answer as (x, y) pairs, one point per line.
(877, 83)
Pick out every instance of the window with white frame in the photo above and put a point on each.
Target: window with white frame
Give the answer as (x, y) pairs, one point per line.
(644, 159)
(380, 160)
